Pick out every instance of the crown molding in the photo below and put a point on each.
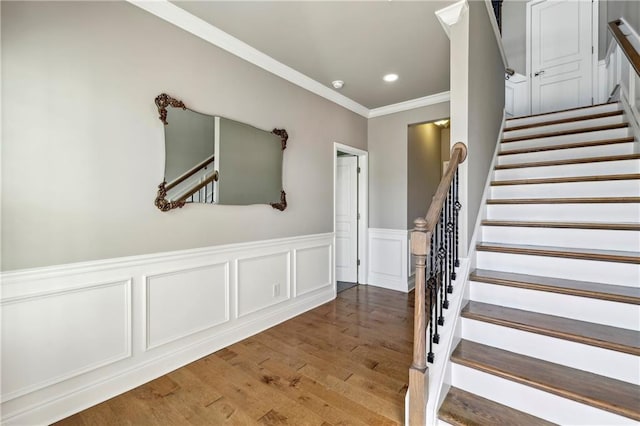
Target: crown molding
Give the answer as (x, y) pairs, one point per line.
(200, 28)
(450, 15)
(410, 104)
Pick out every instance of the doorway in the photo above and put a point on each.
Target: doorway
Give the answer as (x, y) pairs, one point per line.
(560, 45)
(350, 223)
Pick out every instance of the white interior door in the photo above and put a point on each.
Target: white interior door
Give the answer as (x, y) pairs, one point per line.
(347, 219)
(560, 61)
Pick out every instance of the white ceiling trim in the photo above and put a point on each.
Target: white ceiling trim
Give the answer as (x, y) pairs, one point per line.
(411, 104)
(450, 15)
(200, 28)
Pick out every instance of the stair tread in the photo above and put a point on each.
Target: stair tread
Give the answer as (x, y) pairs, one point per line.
(602, 392)
(562, 110)
(583, 200)
(566, 132)
(565, 225)
(569, 161)
(567, 146)
(567, 120)
(604, 336)
(566, 179)
(465, 408)
(615, 293)
(567, 252)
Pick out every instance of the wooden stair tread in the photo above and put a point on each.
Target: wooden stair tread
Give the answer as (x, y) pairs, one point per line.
(462, 408)
(569, 179)
(567, 120)
(565, 252)
(561, 110)
(569, 161)
(611, 292)
(584, 200)
(602, 392)
(603, 336)
(566, 146)
(566, 132)
(565, 225)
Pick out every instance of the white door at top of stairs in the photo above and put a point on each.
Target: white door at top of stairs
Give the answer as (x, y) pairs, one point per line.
(559, 60)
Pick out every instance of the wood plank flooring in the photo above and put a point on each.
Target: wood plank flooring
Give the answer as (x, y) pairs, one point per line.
(345, 362)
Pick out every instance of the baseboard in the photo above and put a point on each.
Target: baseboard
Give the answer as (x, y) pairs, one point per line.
(135, 319)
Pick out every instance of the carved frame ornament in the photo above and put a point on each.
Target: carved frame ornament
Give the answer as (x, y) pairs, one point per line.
(162, 102)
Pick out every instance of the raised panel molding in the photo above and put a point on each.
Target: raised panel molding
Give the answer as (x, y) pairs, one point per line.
(389, 259)
(63, 334)
(105, 334)
(184, 302)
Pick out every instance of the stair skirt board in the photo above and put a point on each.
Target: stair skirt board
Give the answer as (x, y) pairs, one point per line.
(604, 362)
(536, 402)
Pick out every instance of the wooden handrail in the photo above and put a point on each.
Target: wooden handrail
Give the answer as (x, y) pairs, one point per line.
(190, 172)
(630, 52)
(420, 248)
(213, 177)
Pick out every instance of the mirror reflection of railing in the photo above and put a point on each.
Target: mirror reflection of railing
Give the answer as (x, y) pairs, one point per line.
(214, 160)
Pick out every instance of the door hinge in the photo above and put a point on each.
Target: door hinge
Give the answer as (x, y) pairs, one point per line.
(358, 216)
(592, 50)
(358, 169)
(358, 262)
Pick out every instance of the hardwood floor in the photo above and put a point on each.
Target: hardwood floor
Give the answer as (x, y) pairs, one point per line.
(345, 362)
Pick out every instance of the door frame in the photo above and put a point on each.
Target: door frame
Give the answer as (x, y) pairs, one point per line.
(363, 207)
(595, 4)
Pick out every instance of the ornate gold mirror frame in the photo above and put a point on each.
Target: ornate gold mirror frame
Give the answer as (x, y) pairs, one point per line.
(162, 102)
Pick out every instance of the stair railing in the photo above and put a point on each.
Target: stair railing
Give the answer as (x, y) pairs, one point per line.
(434, 245)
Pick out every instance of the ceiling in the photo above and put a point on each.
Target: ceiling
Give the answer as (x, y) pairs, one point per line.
(354, 41)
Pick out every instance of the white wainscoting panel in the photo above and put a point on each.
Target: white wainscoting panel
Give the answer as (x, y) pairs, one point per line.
(51, 337)
(311, 269)
(76, 335)
(262, 281)
(388, 259)
(172, 311)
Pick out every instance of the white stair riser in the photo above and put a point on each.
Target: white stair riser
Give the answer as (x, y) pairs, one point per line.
(573, 269)
(613, 188)
(566, 154)
(561, 140)
(615, 314)
(562, 237)
(605, 212)
(562, 115)
(604, 362)
(530, 400)
(566, 170)
(572, 125)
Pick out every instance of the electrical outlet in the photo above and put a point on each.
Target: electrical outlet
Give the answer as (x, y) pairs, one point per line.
(276, 290)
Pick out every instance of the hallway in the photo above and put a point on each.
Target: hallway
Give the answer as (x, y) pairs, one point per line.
(345, 362)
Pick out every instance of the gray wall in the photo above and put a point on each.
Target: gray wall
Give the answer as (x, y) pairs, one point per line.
(388, 164)
(514, 19)
(611, 10)
(83, 148)
(424, 167)
(486, 104)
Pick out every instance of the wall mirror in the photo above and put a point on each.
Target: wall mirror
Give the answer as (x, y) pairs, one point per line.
(214, 160)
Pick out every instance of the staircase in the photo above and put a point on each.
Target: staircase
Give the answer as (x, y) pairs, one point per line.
(551, 332)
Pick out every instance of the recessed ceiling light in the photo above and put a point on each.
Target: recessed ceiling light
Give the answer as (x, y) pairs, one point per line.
(337, 84)
(389, 78)
(442, 123)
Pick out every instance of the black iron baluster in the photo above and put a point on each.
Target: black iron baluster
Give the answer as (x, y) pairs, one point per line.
(457, 207)
(449, 260)
(441, 251)
(437, 283)
(432, 296)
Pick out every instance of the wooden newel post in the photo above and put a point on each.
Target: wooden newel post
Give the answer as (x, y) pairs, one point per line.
(418, 378)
